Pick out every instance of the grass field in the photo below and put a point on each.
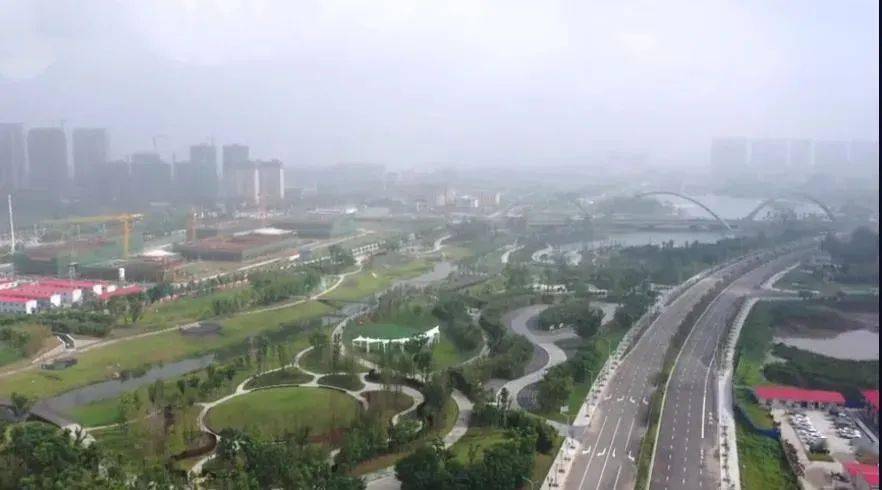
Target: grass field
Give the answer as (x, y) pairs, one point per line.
(181, 311)
(385, 330)
(290, 376)
(312, 361)
(387, 403)
(100, 364)
(762, 463)
(8, 354)
(345, 381)
(273, 411)
(480, 438)
(376, 278)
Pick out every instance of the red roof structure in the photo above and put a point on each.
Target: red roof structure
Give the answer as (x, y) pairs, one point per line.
(790, 393)
(868, 472)
(71, 283)
(32, 292)
(872, 398)
(14, 299)
(124, 291)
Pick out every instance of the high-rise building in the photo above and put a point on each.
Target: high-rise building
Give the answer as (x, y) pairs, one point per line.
(203, 160)
(245, 180)
(47, 154)
(800, 155)
(13, 159)
(728, 158)
(271, 182)
(233, 156)
(769, 158)
(151, 177)
(89, 152)
(831, 156)
(112, 182)
(864, 156)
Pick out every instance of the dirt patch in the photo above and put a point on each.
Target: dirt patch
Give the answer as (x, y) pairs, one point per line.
(203, 329)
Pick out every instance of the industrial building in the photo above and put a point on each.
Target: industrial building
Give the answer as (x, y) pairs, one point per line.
(239, 247)
(57, 259)
(14, 305)
(791, 397)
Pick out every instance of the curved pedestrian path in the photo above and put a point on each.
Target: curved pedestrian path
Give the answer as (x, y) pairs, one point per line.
(518, 321)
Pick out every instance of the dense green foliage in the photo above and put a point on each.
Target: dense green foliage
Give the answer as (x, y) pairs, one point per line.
(810, 370)
(762, 463)
(504, 466)
(245, 462)
(577, 313)
(857, 258)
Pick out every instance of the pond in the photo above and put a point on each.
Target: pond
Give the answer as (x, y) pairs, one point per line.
(856, 345)
(114, 388)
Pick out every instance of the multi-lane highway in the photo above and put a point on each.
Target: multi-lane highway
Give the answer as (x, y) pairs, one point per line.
(686, 450)
(610, 443)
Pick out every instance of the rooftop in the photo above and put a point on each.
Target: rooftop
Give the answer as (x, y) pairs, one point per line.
(14, 299)
(791, 393)
(123, 291)
(869, 472)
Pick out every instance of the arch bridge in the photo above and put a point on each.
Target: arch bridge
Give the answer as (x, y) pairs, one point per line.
(794, 196)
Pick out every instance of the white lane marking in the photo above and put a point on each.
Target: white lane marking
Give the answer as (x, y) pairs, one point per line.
(605, 461)
(616, 482)
(588, 464)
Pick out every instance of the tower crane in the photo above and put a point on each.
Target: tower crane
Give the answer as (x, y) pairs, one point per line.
(126, 222)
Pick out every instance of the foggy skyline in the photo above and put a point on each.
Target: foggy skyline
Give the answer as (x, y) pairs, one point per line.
(459, 82)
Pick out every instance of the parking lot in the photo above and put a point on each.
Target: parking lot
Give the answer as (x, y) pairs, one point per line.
(823, 441)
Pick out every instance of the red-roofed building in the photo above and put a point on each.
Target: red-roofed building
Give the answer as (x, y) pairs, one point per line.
(862, 476)
(791, 397)
(123, 291)
(871, 397)
(45, 298)
(17, 306)
(90, 287)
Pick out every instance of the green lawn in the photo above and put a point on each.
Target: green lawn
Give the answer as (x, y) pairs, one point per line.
(312, 361)
(345, 381)
(181, 311)
(289, 376)
(387, 403)
(385, 330)
(376, 278)
(479, 437)
(446, 354)
(102, 412)
(8, 354)
(762, 462)
(100, 364)
(273, 411)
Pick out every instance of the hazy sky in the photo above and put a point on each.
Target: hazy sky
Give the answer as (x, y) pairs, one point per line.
(463, 81)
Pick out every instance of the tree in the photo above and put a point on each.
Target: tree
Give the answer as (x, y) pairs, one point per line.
(555, 388)
(282, 355)
(319, 342)
(21, 405)
(135, 307)
(423, 361)
(116, 306)
(426, 468)
(156, 393)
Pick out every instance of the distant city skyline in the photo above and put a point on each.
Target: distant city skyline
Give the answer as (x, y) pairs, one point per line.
(501, 83)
